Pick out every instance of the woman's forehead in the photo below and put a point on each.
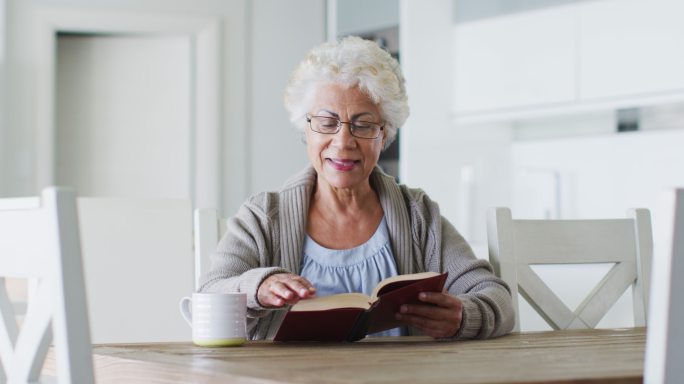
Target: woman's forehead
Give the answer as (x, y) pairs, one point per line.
(335, 98)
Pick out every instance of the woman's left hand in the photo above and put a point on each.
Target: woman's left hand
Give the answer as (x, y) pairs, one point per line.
(439, 317)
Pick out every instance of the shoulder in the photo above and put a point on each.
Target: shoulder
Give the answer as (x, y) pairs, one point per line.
(421, 208)
(418, 201)
(426, 218)
(416, 197)
(268, 203)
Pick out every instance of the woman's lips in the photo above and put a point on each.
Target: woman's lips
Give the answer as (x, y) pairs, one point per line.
(342, 164)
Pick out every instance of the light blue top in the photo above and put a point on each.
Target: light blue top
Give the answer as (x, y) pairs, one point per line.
(358, 269)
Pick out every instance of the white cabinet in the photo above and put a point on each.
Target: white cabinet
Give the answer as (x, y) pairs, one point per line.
(515, 60)
(582, 56)
(630, 48)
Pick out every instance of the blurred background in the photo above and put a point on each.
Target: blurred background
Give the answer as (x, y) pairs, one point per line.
(555, 108)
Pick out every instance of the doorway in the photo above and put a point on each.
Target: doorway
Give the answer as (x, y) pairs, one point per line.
(123, 114)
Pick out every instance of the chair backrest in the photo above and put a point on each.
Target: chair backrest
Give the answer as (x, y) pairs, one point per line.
(516, 245)
(665, 335)
(40, 241)
(208, 230)
(138, 262)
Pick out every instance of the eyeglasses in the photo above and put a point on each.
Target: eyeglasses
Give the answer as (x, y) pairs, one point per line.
(331, 125)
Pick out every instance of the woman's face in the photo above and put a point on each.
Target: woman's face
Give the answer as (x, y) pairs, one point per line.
(342, 160)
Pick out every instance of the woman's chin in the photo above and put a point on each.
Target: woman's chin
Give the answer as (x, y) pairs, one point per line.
(342, 181)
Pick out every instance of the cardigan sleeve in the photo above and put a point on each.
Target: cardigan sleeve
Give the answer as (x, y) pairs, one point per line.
(244, 257)
(487, 305)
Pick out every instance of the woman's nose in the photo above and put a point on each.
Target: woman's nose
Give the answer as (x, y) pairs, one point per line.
(344, 135)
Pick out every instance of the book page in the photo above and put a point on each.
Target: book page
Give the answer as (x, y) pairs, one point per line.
(398, 278)
(342, 300)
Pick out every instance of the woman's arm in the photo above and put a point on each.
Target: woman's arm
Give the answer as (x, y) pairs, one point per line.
(244, 257)
(486, 300)
(475, 304)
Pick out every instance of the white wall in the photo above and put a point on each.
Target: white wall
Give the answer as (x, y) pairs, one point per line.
(603, 175)
(3, 87)
(427, 71)
(470, 10)
(276, 147)
(16, 149)
(462, 167)
(359, 16)
(261, 41)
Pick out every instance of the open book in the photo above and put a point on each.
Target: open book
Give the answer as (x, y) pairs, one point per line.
(351, 316)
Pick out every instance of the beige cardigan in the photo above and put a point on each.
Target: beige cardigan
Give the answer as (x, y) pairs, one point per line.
(267, 234)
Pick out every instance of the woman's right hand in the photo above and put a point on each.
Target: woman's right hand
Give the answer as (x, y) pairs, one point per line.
(284, 288)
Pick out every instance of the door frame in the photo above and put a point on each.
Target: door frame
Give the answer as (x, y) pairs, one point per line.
(205, 103)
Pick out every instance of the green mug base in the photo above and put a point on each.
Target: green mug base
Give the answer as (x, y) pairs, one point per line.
(220, 342)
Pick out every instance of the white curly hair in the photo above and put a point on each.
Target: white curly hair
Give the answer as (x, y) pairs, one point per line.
(351, 61)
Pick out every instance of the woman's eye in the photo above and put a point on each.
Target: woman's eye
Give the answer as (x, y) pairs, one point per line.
(327, 123)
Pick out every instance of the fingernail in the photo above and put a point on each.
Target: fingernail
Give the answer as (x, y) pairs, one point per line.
(403, 309)
(303, 292)
(422, 295)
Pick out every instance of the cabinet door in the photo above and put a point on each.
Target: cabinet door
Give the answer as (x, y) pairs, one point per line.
(524, 59)
(630, 48)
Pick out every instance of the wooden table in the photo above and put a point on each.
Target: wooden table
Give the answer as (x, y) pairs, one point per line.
(579, 356)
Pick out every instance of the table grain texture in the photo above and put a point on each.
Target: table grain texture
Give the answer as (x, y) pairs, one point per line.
(570, 356)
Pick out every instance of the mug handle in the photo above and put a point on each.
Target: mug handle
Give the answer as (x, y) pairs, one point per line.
(185, 310)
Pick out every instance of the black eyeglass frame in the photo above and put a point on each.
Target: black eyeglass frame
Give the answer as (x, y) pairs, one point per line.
(351, 124)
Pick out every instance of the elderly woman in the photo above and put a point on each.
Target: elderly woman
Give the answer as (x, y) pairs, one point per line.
(342, 225)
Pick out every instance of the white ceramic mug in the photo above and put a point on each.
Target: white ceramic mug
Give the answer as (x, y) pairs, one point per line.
(217, 319)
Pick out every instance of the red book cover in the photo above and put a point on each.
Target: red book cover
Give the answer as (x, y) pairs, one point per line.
(351, 316)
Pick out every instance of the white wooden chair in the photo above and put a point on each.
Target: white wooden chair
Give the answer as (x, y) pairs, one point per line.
(138, 262)
(208, 230)
(39, 240)
(515, 245)
(665, 335)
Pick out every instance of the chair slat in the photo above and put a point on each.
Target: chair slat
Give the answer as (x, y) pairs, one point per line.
(574, 241)
(206, 235)
(31, 347)
(208, 229)
(20, 203)
(606, 293)
(641, 289)
(543, 300)
(8, 326)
